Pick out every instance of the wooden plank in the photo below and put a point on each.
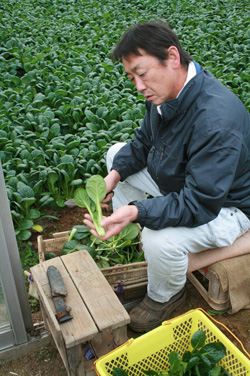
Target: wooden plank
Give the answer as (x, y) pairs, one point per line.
(104, 306)
(59, 341)
(49, 317)
(120, 335)
(76, 361)
(103, 343)
(81, 328)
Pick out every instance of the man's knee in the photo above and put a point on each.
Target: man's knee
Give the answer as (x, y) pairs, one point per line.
(160, 245)
(112, 152)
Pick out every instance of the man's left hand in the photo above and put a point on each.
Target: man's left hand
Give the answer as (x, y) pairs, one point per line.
(114, 223)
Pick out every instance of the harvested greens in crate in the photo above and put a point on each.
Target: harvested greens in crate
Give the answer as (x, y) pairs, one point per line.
(124, 268)
(123, 248)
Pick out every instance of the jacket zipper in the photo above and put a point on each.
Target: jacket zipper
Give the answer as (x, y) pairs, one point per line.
(161, 158)
(153, 152)
(162, 151)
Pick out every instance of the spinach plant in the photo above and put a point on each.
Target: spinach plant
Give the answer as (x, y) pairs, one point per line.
(91, 197)
(120, 249)
(201, 361)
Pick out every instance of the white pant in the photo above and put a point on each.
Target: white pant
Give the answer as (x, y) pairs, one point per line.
(166, 250)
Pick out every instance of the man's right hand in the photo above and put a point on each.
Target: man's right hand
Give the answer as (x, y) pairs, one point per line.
(111, 180)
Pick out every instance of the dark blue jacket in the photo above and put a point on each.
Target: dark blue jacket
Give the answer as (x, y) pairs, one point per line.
(198, 153)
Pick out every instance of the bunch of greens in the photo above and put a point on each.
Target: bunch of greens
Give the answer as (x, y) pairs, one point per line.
(120, 249)
(201, 361)
(91, 198)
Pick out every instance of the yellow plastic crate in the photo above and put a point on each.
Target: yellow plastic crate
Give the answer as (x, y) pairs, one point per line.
(151, 350)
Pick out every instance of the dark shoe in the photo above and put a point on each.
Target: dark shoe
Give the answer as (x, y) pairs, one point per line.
(150, 314)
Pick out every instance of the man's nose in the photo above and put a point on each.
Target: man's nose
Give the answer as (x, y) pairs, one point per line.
(139, 84)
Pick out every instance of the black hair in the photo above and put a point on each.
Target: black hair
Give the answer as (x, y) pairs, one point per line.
(152, 37)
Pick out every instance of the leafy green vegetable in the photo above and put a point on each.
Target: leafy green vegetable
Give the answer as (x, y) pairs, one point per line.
(119, 372)
(50, 255)
(91, 199)
(120, 249)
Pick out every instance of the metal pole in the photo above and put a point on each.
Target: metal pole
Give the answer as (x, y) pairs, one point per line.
(11, 243)
(10, 293)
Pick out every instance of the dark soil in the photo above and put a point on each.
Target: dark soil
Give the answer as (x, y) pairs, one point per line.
(47, 360)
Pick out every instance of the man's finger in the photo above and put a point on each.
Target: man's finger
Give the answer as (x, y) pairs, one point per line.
(88, 216)
(89, 223)
(109, 193)
(108, 196)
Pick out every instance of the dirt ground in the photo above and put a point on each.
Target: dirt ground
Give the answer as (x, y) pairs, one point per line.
(47, 361)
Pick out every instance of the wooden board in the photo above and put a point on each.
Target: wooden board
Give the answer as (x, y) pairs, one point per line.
(104, 306)
(81, 328)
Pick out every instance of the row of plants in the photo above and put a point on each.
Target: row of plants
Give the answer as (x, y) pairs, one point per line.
(63, 102)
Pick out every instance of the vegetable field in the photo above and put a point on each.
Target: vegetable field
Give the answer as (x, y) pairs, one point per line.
(63, 103)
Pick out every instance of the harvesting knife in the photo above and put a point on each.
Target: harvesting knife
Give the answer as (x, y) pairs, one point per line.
(71, 203)
(58, 292)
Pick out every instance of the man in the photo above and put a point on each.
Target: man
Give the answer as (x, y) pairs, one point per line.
(186, 176)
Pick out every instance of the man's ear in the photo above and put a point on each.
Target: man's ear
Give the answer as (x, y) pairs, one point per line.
(174, 56)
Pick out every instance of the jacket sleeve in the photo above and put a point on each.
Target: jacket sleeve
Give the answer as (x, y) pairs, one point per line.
(210, 171)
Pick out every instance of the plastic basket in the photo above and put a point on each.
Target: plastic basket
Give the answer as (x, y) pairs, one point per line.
(151, 350)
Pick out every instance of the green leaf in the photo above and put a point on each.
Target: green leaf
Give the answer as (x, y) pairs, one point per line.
(214, 351)
(25, 225)
(60, 202)
(214, 312)
(80, 234)
(192, 362)
(50, 255)
(96, 188)
(119, 372)
(82, 229)
(24, 235)
(34, 214)
(91, 250)
(216, 371)
(130, 232)
(174, 360)
(24, 190)
(198, 339)
(89, 115)
(61, 93)
(81, 198)
(69, 246)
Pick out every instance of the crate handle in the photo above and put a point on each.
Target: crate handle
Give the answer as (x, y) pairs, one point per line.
(224, 326)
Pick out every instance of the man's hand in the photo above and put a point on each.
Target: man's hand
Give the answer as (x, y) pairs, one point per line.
(111, 180)
(114, 223)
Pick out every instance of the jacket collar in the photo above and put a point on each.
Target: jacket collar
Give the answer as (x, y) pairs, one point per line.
(187, 96)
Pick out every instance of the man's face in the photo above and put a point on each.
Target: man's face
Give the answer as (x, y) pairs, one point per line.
(157, 81)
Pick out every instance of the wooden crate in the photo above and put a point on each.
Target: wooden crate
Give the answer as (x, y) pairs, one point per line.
(209, 286)
(128, 281)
